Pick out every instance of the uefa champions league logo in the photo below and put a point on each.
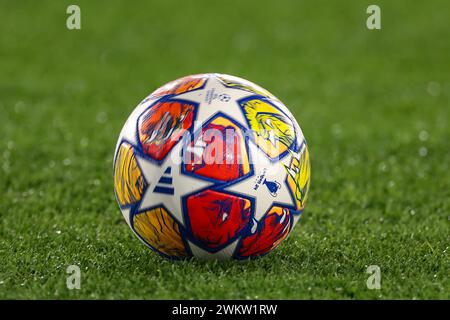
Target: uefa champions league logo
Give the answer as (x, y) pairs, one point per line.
(224, 97)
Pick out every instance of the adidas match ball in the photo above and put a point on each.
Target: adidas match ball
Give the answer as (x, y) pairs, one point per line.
(211, 166)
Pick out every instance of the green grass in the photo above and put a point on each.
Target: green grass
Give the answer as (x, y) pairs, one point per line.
(374, 107)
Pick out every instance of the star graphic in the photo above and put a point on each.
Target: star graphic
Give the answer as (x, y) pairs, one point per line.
(224, 254)
(267, 184)
(180, 185)
(216, 97)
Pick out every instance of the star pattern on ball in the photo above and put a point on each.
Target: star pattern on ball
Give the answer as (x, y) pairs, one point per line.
(215, 97)
(223, 254)
(158, 193)
(267, 185)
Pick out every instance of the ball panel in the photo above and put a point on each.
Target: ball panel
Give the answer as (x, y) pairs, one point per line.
(270, 231)
(219, 152)
(217, 218)
(162, 126)
(299, 176)
(158, 229)
(181, 85)
(129, 183)
(273, 131)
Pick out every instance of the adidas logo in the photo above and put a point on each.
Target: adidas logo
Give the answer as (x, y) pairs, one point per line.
(164, 184)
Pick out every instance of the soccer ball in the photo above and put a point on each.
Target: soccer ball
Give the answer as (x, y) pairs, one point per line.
(211, 166)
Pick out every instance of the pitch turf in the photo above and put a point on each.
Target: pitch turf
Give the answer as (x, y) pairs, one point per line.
(374, 106)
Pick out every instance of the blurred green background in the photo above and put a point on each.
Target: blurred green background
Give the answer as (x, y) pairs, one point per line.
(373, 105)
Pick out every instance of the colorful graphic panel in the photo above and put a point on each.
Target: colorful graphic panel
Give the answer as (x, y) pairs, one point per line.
(161, 231)
(219, 152)
(238, 83)
(216, 218)
(161, 127)
(273, 131)
(271, 230)
(128, 181)
(299, 176)
(181, 85)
